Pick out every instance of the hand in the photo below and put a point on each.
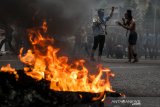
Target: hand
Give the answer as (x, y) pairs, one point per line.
(119, 23)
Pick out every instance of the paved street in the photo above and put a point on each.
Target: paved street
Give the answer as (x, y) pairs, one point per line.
(140, 79)
(134, 80)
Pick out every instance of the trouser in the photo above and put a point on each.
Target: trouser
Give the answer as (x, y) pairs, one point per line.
(99, 41)
(132, 52)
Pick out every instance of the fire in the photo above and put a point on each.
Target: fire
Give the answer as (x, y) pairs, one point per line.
(10, 70)
(42, 62)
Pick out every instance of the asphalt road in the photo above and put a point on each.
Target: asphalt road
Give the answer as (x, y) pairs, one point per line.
(137, 80)
(141, 79)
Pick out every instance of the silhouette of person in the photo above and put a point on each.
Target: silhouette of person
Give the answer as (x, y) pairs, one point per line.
(8, 36)
(99, 32)
(130, 25)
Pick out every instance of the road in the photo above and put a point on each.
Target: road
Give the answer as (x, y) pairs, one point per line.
(136, 80)
(139, 81)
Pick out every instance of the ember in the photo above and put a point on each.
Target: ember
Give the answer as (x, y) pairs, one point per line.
(42, 63)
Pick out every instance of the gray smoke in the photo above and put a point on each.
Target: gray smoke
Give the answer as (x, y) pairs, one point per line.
(63, 16)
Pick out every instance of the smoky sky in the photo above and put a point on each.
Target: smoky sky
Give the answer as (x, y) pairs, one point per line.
(63, 16)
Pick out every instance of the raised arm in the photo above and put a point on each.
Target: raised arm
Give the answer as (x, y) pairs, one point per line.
(111, 14)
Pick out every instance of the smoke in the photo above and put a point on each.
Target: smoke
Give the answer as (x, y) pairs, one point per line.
(63, 16)
(66, 16)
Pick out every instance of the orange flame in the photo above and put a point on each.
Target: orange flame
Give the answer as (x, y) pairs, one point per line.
(43, 63)
(10, 70)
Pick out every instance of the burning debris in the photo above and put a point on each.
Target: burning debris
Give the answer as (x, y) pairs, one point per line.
(50, 79)
(10, 70)
(30, 92)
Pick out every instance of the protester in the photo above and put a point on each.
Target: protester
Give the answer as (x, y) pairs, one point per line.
(99, 32)
(8, 35)
(130, 25)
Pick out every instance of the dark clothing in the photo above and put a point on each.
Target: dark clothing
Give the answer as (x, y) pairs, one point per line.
(132, 52)
(9, 43)
(99, 40)
(132, 38)
(8, 36)
(131, 48)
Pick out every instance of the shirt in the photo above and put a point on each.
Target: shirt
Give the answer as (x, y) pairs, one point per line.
(99, 25)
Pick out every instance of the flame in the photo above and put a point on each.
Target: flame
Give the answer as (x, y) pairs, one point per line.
(42, 62)
(45, 64)
(10, 70)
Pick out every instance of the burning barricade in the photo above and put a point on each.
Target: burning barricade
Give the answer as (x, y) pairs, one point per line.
(51, 79)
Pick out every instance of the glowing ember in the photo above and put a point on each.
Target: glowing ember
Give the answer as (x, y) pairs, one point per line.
(10, 70)
(42, 62)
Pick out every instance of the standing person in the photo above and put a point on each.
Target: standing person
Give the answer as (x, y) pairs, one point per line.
(8, 36)
(99, 32)
(130, 25)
